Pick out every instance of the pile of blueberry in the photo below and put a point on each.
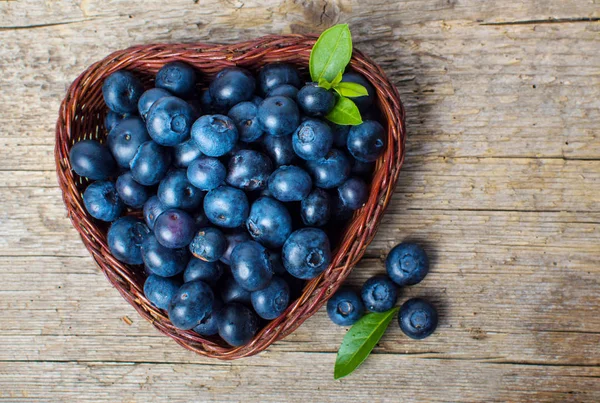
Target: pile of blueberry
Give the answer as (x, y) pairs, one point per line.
(242, 186)
(406, 264)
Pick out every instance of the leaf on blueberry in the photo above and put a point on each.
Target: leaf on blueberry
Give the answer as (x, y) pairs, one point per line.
(324, 83)
(360, 340)
(329, 85)
(345, 112)
(337, 79)
(331, 53)
(352, 90)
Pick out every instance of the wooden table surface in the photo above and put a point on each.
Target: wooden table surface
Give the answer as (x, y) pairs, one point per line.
(501, 184)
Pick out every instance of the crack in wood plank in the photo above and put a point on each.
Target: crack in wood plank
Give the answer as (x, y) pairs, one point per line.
(45, 25)
(545, 21)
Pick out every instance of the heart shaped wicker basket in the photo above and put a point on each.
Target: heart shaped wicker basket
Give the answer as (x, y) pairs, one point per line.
(81, 116)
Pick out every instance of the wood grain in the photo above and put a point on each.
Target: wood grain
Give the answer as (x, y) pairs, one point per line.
(501, 185)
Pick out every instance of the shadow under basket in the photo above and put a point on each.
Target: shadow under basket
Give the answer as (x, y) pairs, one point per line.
(81, 116)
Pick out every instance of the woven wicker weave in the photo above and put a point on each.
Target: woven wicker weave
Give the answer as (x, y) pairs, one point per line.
(81, 116)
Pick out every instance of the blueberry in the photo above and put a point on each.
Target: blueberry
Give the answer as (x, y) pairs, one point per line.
(208, 244)
(160, 290)
(131, 193)
(249, 170)
(177, 77)
(363, 102)
(226, 207)
(306, 253)
(379, 294)
(152, 209)
(150, 164)
(197, 269)
(367, 141)
(209, 325)
(277, 74)
(206, 173)
(315, 208)
(269, 222)
(121, 91)
(278, 116)
(232, 86)
(417, 318)
(102, 201)
(174, 229)
(185, 153)
(345, 307)
(360, 168)
(92, 160)
(312, 139)
(340, 134)
(234, 238)
(191, 304)
(170, 120)
(215, 135)
(176, 191)
(250, 265)
(280, 149)
(125, 139)
(112, 119)
(271, 301)
(315, 101)
(290, 183)
(330, 171)
(237, 324)
(125, 237)
(163, 261)
(148, 99)
(407, 264)
(244, 115)
(353, 193)
(231, 291)
(285, 90)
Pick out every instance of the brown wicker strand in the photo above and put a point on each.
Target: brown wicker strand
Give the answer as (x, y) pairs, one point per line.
(81, 116)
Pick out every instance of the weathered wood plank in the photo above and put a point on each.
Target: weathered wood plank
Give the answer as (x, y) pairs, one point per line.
(455, 380)
(501, 185)
(460, 80)
(520, 311)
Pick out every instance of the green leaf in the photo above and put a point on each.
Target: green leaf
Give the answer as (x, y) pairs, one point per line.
(351, 90)
(324, 83)
(331, 53)
(360, 340)
(328, 85)
(345, 112)
(337, 79)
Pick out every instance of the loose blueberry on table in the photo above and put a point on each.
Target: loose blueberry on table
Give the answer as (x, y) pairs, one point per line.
(418, 318)
(234, 183)
(379, 294)
(345, 308)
